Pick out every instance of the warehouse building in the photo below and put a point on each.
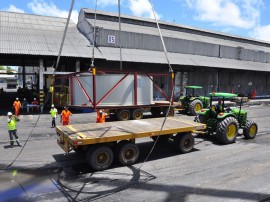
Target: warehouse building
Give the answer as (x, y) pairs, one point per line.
(217, 61)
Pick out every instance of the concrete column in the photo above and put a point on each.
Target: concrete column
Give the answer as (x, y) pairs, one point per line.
(41, 82)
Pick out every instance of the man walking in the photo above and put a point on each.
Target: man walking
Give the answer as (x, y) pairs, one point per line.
(12, 128)
(53, 113)
(64, 118)
(17, 105)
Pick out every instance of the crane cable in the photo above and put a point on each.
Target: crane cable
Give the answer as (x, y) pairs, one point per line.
(171, 98)
(120, 32)
(94, 38)
(58, 59)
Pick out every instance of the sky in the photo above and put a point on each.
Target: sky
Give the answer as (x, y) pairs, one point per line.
(246, 18)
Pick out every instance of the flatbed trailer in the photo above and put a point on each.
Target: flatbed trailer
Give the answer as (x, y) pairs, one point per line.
(104, 142)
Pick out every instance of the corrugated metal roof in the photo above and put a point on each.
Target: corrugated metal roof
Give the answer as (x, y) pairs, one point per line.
(41, 35)
(158, 57)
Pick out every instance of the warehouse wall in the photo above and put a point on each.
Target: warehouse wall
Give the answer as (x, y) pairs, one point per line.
(231, 81)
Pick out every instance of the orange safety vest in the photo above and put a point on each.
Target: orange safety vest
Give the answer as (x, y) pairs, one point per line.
(101, 118)
(65, 115)
(17, 104)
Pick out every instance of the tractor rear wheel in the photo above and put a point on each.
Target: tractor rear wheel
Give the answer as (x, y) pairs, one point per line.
(195, 107)
(250, 130)
(227, 130)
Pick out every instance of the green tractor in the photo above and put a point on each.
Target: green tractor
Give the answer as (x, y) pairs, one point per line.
(190, 103)
(225, 123)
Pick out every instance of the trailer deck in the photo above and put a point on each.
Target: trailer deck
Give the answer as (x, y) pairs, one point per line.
(72, 136)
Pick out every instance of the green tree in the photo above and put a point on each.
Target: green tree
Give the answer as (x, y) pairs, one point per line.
(2, 68)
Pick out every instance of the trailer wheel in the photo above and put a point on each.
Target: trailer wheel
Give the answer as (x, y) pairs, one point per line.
(184, 142)
(171, 111)
(99, 157)
(227, 130)
(123, 115)
(155, 111)
(137, 114)
(250, 130)
(127, 153)
(195, 107)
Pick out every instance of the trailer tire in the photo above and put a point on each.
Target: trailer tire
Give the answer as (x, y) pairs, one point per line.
(184, 142)
(227, 130)
(250, 130)
(137, 114)
(127, 153)
(155, 111)
(99, 157)
(171, 112)
(195, 107)
(123, 115)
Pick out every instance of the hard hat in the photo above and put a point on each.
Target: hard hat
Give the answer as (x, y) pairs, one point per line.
(17, 98)
(9, 114)
(52, 105)
(24, 99)
(100, 111)
(34, 98)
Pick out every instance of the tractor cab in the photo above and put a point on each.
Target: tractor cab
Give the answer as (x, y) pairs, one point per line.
(191, 102)
(224, 122)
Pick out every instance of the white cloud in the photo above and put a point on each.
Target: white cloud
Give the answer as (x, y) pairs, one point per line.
(41, 7)
(235, 13)
(262, 33)
(12, 8)
(142, 8)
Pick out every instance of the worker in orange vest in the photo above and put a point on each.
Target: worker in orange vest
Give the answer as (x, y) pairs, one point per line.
(17, 105)
(101, 116)
(64, 118)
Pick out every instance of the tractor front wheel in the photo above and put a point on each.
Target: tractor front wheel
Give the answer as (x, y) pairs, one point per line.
(250, 130)
(227, 130)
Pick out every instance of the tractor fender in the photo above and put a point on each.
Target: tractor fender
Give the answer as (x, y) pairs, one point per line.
(204, 111)
(222, 116)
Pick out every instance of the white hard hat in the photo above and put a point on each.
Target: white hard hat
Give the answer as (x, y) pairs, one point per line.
(9, 114)
(24, 99)
(34, 98)
(100, 111)
(17, 98)
(52, 105)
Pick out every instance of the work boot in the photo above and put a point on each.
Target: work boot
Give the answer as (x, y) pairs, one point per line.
(11, 146)
(18, 143)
